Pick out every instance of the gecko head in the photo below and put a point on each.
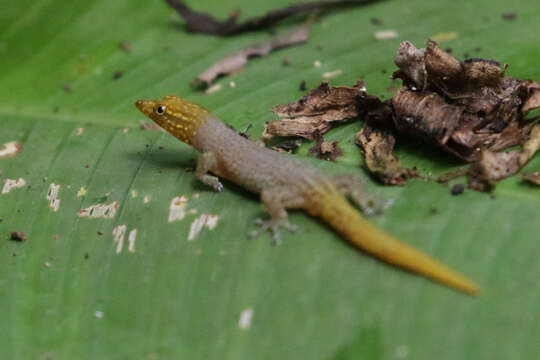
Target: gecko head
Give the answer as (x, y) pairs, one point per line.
(178, 116)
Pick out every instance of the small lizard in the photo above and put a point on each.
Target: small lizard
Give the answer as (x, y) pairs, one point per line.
(285, 183)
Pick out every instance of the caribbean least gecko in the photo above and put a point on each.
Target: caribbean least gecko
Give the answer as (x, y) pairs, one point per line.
(285, 183)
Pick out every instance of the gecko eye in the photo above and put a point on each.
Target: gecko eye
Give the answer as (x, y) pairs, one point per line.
(160, 110)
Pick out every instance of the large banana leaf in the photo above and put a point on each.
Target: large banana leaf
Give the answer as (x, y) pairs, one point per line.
(70, 292)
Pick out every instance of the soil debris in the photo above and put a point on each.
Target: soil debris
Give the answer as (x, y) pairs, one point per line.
(532, 178)
(18, 236)
(325, 150)
(125, 46)
(315, 112)
(457, 189)
(207, 24)
(68, 88)
(288, 146)
(302, 86)
(509, 16)
(378, 146)
(10, 149)
(376, 21)
(235, 62)
(117, 75)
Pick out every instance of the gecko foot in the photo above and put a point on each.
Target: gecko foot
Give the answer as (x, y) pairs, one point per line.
(213, 182)
(273, 226)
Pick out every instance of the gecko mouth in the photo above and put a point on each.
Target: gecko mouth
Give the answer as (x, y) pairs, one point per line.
(145, 106)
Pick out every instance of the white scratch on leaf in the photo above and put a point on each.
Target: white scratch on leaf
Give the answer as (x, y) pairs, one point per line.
(52, 196)
(177, 209)
(402, 351)
(12, 184)
(205, 220)
(246, 316)
(106, 211)
(119, 233)
(10, 149)
(131, 240)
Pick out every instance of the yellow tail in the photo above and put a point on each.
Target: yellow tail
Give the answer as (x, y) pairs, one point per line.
(345, 219)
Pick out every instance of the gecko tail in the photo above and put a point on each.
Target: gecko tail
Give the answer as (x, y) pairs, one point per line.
(345, 219)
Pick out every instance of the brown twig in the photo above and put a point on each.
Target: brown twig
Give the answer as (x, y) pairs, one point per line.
(207, 24)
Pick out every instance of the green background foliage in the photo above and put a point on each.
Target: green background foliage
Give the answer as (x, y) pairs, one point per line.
(313, 297)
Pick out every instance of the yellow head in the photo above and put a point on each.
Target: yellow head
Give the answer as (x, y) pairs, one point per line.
(179, 117)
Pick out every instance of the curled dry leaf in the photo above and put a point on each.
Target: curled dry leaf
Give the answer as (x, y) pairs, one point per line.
(314, 113)
(496, 166)
(236, 61)
(378, 146)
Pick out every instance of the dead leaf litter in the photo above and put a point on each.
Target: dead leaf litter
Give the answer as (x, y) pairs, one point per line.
(468, 108)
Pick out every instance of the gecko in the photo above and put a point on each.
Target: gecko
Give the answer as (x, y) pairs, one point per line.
(283, 183)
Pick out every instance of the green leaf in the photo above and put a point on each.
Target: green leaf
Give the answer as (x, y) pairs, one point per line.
(65, 293)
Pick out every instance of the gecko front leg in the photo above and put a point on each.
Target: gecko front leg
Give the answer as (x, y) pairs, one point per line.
(207, 162)
(276, 201)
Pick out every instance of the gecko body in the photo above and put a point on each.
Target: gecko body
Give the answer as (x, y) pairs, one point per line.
(285, 183)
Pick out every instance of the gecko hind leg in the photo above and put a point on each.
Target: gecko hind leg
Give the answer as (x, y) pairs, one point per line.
(276, 201)
(352, 187)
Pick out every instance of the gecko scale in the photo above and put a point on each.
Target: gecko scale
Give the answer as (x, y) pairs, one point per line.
(285, 183)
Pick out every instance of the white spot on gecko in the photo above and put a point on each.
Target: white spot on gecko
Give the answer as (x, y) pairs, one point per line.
(177, 209)
(12, 184)
(134, 193)
(105, 211)
(246, 316)
(52, 196)
(10, 149)
(79, 131)
(146, 199)
(205, 220)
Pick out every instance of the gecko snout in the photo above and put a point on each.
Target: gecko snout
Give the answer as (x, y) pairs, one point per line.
(144, 106)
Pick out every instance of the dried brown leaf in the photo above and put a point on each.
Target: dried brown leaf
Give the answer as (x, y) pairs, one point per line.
(315, 112)
(378, 146)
